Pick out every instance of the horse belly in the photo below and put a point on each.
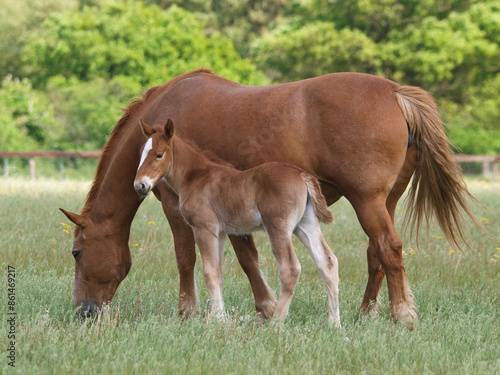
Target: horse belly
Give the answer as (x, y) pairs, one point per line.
(241, 222)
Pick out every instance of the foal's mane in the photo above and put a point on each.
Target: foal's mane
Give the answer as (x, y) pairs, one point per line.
(119, 130)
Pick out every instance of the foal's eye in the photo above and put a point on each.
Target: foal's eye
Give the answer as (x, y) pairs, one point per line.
(159, 156)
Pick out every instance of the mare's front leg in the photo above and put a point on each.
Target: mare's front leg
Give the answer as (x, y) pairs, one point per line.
(209, 245)
(185, 251)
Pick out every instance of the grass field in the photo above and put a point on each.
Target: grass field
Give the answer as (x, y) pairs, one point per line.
(457, 295)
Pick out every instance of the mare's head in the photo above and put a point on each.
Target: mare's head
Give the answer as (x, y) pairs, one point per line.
(156, 157)
(102, 261)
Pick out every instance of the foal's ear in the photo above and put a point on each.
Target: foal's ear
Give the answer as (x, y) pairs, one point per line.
(75, 218)
(146, 129)
(169, 129)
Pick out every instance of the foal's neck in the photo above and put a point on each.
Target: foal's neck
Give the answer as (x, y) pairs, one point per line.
(187, 165)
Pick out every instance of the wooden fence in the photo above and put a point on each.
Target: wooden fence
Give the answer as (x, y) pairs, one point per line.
(32, 155)
(490, 163)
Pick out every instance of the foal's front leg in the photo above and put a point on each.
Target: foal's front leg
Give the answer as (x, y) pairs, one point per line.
(208, 243)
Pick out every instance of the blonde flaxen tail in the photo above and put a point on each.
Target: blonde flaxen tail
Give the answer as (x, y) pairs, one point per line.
(438, 190)
(321, 210)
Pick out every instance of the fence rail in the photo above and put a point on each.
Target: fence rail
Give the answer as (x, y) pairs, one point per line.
(490, 163)
(31, 155)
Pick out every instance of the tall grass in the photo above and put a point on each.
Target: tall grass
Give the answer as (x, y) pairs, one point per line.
(457, 296)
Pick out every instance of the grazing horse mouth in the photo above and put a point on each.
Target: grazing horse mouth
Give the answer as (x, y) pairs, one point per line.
(87, 309)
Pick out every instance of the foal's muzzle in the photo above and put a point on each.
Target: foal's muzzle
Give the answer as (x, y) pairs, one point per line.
(142, 188)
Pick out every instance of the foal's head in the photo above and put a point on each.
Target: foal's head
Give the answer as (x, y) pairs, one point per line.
(156, 156)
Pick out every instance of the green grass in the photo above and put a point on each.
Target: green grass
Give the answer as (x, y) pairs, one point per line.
(457, 295)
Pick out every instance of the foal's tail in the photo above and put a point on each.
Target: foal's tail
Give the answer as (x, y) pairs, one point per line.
(438, 189)
(321, 210)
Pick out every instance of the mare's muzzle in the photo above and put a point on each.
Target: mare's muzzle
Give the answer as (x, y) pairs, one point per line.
(87, 309)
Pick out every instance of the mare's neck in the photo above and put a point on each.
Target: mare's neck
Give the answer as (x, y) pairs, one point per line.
(116, 199)
(187, 164)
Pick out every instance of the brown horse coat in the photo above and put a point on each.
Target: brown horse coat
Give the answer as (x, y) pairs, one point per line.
(348, 130)
(216, 199)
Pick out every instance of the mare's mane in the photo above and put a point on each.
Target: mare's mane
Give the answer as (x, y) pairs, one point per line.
(208, 154)
(115, 136)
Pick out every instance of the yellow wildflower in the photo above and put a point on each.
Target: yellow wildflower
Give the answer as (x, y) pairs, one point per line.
(484, 220)
(404, 253)
(151, 223)
(136, 245)
(66, 231)
(493, 260)
(452, 252)
(412, 251)
(438, 237)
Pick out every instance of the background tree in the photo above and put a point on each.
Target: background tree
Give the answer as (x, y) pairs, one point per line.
(84, 59)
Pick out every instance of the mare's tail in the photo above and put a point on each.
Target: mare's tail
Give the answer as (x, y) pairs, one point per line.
(438, 189)
(318, 200)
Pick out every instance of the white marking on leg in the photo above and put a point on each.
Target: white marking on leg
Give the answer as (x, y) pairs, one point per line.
(147, 147)
(309, 233)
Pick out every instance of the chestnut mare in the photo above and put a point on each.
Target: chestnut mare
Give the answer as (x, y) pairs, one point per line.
(362, 136)
(217, 199)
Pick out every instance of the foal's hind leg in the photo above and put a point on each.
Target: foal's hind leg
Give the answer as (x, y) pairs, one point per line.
(288, 266)
(309, 233)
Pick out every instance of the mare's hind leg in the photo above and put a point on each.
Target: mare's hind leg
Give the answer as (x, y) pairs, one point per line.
(185, 251)
(387, 247)
(309, 232)
(376, 275)
(247, 255)
(376, 271)
(288, 266)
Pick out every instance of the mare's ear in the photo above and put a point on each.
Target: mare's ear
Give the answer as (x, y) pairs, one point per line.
(146, 129)
(169, 129)
(75, 218)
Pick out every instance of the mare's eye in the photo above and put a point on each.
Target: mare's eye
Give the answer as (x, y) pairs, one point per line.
(159, 156)
(76, 254)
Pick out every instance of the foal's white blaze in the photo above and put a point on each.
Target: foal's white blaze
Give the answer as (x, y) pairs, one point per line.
(147, 147)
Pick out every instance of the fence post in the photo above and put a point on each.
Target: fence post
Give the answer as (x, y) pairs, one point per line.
(61, 169)
(486, 168)
(5, 167)
(32, 169)
(496, 172)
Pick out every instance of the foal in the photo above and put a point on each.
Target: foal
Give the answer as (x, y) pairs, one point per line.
(216, 199)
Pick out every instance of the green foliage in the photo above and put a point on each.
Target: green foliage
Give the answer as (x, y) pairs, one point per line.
(89, 109)
(130, 39)
(315, 49)
(97, 59)
(19, 18)
(26, 117)
(91, 56)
